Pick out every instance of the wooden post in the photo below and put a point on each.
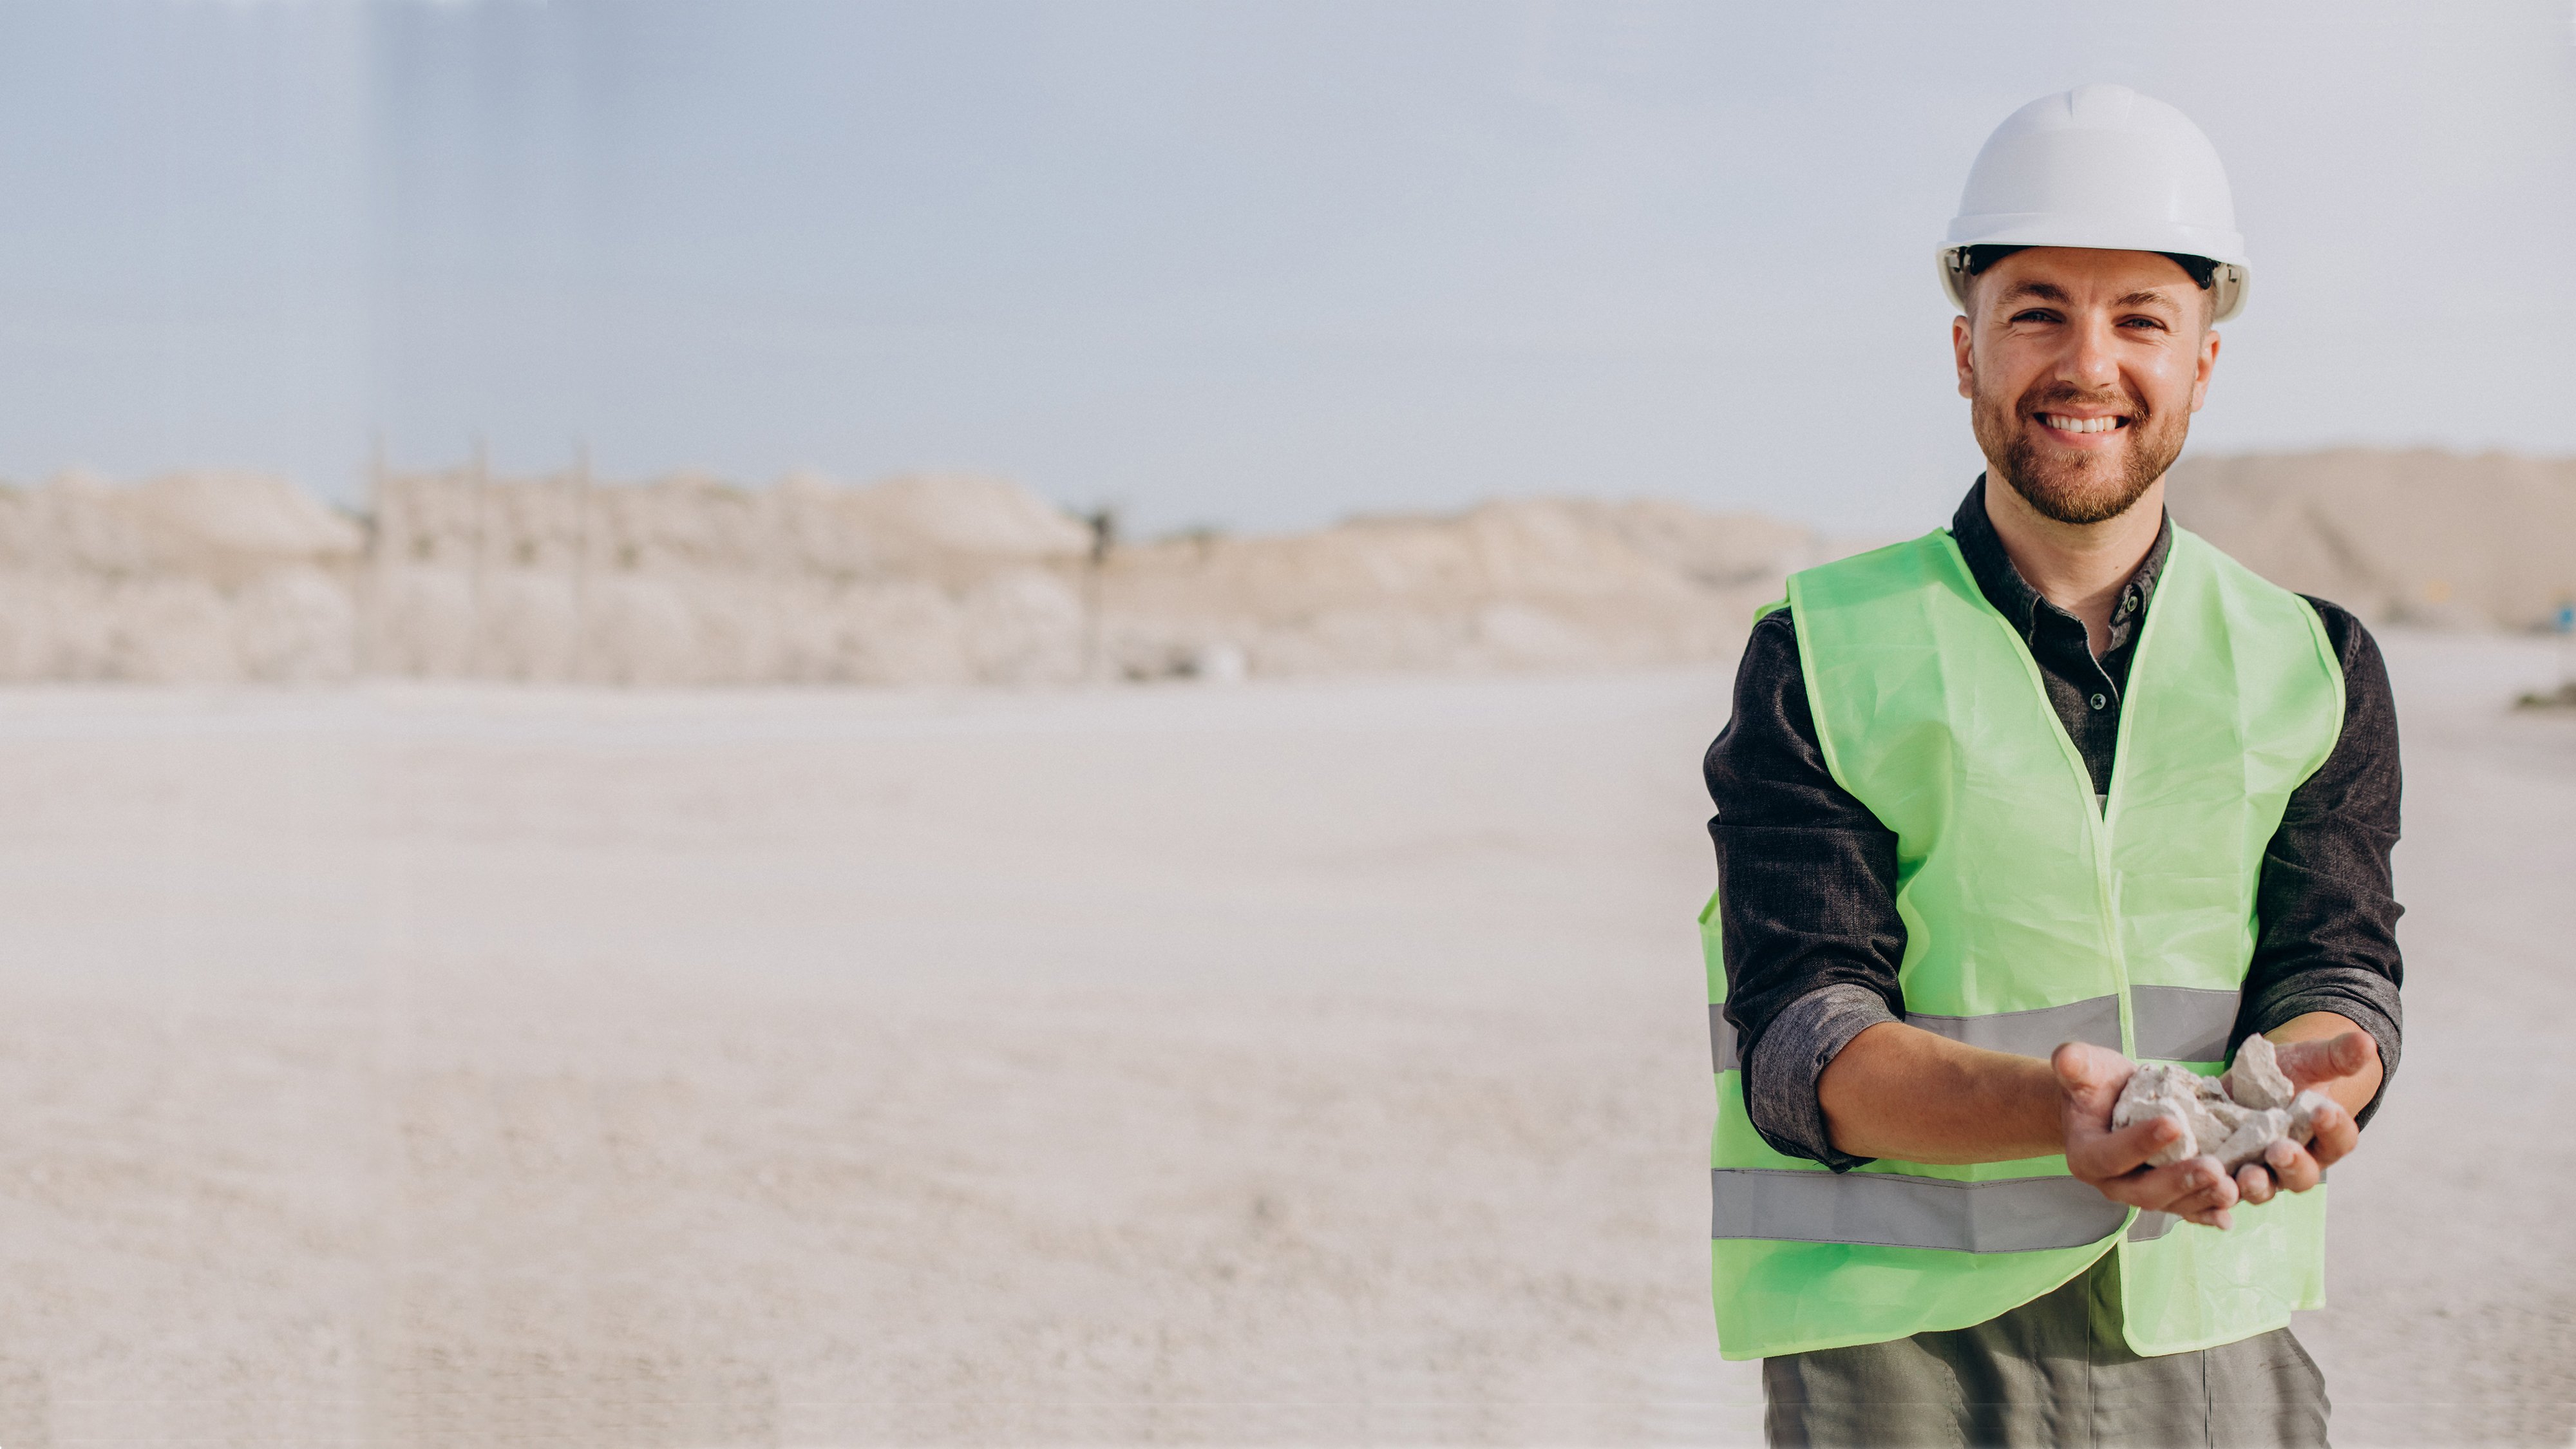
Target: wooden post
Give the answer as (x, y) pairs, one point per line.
(581, 561)
(371, 564)
(481, 478)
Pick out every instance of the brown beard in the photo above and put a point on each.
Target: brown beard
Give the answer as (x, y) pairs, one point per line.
(2079, 490)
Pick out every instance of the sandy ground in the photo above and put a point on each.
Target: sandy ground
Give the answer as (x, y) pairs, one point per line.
(1291, 1063)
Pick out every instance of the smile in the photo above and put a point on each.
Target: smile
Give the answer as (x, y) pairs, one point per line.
(2065, 424)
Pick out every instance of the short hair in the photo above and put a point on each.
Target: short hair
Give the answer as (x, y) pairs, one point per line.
(1984, 255)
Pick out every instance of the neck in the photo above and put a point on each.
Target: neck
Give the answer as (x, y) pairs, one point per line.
(2079, 567)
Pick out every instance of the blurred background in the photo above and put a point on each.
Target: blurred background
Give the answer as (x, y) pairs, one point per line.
(841, 722)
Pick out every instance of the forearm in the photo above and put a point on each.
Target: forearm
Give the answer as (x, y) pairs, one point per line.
(1806, 900)
(1899, 1091)
(2326, 909)
(2354, 1092)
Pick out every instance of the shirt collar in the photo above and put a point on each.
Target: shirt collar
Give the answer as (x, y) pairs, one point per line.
(2012, 595)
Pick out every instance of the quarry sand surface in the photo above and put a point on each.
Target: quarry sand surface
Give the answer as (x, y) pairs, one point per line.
(1296, 1062)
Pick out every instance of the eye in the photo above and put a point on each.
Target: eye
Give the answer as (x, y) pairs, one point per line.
(2153, 322)
(2035, 314)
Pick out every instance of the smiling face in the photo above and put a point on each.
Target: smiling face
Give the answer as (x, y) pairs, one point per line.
(2083, 368)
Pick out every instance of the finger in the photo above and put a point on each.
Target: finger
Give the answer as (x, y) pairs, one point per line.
(2181, 1188)
(2209, 1206)
(2098, 1157)
(2254, 1183)
(2196, 1190)
(2216, 1193)
(2313, 1063)
(2291, 1165)
(2335, 1134)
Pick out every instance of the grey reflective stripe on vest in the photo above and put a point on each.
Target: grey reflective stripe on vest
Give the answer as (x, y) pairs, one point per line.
(2174, 1023)
(2033, 1033)
(1889, 1210)
(2182, 1023)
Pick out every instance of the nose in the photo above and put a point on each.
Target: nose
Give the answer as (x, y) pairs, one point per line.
(2091, 361)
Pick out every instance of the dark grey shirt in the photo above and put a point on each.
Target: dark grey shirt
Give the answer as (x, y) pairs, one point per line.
(1807, 875)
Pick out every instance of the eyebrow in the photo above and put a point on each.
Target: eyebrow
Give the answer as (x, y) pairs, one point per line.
(2044, 291)
(2051, 292)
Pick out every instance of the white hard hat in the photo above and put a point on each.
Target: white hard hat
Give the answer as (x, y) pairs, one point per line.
(2100, 166)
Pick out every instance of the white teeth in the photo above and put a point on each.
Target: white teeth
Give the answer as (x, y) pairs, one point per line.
(2079, 425)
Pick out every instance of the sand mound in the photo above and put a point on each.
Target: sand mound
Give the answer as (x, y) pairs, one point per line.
(940, 579)
(690, 580)
(2414, 537)
(949, 579)
(190, 576)
(953, 579)
(1539, 582)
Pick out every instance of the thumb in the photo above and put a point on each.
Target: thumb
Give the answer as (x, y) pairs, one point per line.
(2091, 1076)
(2346, 1054)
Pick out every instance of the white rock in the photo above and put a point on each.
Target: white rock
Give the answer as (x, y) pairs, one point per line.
(2216, 1121)
(2254, 1134)
(2235, 1118)
(2185, 1146)
(2160, 1089)
(2256, 1080)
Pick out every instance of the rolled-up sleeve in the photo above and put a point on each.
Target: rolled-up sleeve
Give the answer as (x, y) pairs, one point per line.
(2326, 911)
(1806, 899)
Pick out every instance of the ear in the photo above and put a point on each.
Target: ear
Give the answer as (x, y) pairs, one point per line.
(1961, 334)
(2208, 363)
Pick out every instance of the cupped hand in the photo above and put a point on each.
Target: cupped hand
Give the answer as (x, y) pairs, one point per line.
(2287, 1166)
(2113, 1161)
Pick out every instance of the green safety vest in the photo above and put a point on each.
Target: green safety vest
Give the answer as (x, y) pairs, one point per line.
(2035, 915)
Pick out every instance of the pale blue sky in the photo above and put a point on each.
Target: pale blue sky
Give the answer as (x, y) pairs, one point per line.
(1251, 264)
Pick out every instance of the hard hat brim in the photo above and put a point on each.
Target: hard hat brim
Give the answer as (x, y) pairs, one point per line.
(2228, 285)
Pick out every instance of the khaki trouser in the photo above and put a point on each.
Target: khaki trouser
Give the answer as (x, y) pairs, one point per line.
(2053, 1372)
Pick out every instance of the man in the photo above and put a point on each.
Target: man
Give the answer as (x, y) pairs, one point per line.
(2002, 811)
